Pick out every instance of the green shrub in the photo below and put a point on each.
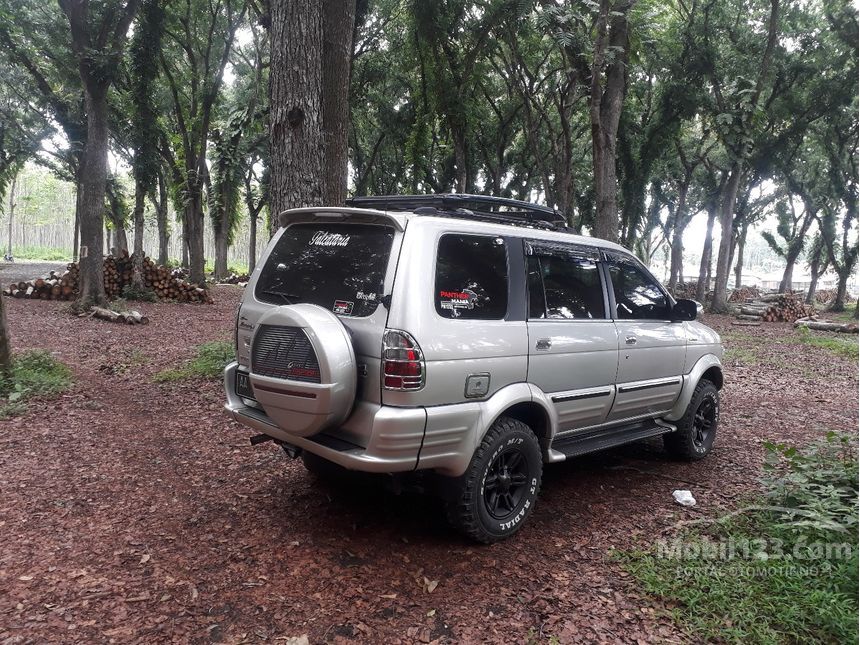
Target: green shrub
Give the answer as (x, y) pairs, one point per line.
(35, 374)
(782, 570)
(209, 363)
(129, 292)
(844, 345)
(42, 253)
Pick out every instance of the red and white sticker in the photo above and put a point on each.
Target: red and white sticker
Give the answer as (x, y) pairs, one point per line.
(464, 299)
(342, 307)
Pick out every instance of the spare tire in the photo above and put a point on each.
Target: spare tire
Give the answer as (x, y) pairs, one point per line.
(303, 368)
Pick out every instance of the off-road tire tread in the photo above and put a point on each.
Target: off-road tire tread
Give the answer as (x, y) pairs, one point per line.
(678, 444)
(460, 509)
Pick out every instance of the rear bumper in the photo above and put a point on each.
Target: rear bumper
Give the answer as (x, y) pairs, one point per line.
(378, 439)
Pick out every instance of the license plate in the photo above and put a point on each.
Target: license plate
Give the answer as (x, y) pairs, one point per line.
(243, 386)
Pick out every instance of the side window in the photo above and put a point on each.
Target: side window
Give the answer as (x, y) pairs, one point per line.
(565, 287)
(471, 277)
(637, 294)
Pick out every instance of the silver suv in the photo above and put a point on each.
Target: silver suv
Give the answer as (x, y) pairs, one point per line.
(468, 337)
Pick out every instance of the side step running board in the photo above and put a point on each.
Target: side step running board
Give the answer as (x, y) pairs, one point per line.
(582, 444)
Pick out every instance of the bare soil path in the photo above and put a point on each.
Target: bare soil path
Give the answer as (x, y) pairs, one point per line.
(137, 512)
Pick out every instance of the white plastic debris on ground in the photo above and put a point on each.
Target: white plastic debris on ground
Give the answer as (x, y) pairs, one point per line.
(684, 497)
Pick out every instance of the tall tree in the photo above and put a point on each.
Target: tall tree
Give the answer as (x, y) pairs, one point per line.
(145, 132)
(307, 137)
(98, 37)
(608, 87)
(737, 102)
(295, 109)
(198, 39)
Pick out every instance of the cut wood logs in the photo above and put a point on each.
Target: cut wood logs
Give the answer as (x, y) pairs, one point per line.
(823, 325)
(778, 307)
(118, 273)
(128, 317)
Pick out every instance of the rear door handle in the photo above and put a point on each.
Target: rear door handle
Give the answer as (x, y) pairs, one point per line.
(631, 340)
(543, 343)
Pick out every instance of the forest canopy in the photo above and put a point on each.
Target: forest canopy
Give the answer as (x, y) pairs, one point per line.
(630, 117)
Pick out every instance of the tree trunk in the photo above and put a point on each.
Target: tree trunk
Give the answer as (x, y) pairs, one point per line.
(841, 292)
(221, 249)
(295, 113)
(137, 265)
(739, 267)
(194, 232)
(78, 190)
(12, 202)
(606, 102)
(5, 352)
(338, 27)
(252, 243)
(813, 283)
(92, 198)
(161, 215)
(727, 209)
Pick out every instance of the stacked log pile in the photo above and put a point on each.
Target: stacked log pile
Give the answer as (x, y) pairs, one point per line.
(825, 295)
(745, 294)
(686, 290)
(118, 273)
(168, 286)
(235, 278)
(54, 286)
(786, 307)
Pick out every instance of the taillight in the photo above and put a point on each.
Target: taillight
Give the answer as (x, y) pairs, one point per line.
(402, 361)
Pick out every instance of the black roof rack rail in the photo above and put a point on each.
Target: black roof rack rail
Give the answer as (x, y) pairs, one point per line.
(483, 207)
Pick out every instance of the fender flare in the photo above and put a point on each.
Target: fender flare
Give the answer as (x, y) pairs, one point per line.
(691, 380)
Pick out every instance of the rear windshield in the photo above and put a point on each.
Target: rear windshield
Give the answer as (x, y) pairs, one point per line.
(340, 267)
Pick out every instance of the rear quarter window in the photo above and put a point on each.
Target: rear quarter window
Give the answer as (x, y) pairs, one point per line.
(471, 277)
(340, 267)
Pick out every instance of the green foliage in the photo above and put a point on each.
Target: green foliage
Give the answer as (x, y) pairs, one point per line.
(209, 363)
(129, 292)
(42, 253)
(232, 267)
(35, 374)
(145, 133)
(784, 571)
(845, 345)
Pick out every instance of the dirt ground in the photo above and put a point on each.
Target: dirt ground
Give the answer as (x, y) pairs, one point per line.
(138, 512)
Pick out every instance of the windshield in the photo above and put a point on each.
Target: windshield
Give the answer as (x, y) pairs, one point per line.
(340, 267)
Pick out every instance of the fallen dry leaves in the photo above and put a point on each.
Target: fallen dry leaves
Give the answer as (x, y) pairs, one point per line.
(136, 512)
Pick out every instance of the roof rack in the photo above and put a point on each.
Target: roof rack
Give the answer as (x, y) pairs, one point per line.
(481, 207)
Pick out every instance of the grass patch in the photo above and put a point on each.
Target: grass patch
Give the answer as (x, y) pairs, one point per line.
(209, 363)
(845, 345)
(42, 253)
(782, 571)
(35, 374)
(232, 267)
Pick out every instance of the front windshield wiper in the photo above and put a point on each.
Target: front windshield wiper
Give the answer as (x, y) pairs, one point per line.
(289, 298)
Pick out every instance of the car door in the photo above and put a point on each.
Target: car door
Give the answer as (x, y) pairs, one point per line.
(651, 348)
(573, 344)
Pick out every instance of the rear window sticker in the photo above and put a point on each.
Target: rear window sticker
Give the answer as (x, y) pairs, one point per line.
(343, 307)
(454, 300)
(321, 238)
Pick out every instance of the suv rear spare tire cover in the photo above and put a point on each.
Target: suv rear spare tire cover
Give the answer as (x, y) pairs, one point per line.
(303, 368)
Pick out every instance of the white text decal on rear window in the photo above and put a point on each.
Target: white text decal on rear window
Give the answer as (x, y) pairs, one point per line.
(321, 238)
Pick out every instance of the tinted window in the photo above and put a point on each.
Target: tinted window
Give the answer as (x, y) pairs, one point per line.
(565, 287)
(337, 266)
(637, 294)
(472, 277)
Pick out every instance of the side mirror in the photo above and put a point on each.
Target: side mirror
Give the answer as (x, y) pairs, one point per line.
(685, 310)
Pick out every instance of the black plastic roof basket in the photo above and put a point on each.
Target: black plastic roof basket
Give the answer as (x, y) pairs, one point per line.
(480, 207)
